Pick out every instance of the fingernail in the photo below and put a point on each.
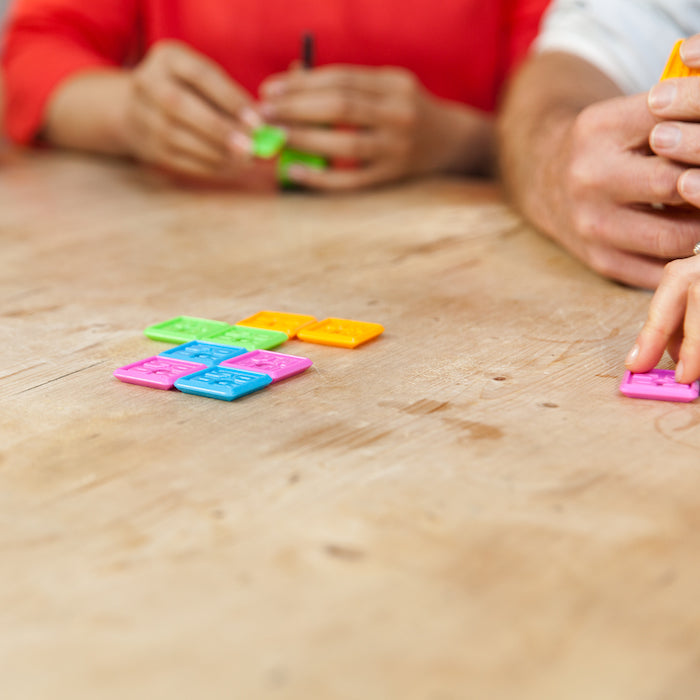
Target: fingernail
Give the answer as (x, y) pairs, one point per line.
(689, 183)
(632, 356)
(267, 110)
(275, 88)
(240, 142)
(297, 172)
(679, 371)
(665, 136)
(662, 95)
(250, 117)
(690, 50)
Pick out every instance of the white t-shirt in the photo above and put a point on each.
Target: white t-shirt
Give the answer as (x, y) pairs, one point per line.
(629, 40)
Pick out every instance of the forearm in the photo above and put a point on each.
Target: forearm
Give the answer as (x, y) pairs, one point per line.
(87, 112)
(466, 140)
(539, 110)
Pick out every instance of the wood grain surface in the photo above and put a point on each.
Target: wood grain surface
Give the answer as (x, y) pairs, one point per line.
(464, 508)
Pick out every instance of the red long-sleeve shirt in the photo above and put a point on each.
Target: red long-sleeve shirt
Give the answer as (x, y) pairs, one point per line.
(460, 49)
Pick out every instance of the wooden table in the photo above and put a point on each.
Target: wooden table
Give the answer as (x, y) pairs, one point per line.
(463, 508)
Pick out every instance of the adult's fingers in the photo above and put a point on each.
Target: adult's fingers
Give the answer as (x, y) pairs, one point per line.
(676, 98)
(667, 234)
(161, 138)
(647, 179)
(690, 51)
(689, 186)
(629, 268)
(340, 107)
(179, 104)
(679, 141)
(364, 145)
(206, 77)
(373, 81)
(341, 180)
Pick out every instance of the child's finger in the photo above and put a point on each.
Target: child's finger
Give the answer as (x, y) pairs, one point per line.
(688, 368)
(666, 313)
(674, 344)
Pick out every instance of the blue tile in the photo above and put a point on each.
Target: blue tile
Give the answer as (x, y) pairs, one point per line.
(222, 383)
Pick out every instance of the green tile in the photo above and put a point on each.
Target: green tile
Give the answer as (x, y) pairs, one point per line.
(183, 329)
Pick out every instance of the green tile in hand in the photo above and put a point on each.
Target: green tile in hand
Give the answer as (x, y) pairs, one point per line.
(289, 157)
(268, 141)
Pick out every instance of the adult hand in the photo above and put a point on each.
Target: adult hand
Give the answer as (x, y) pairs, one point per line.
(673, 322)
(185, 114)
(676, 103)
(577, 162)
(606, 189)
(397, 128)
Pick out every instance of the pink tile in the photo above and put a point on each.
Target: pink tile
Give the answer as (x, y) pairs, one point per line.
(658, 384)
(275, 364)
(157, 372)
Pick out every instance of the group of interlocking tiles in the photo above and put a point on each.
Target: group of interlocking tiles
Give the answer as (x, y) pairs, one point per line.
(270, 141)
(222, 361)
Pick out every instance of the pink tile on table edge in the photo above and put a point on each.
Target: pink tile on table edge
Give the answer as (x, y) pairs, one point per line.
(659, 385)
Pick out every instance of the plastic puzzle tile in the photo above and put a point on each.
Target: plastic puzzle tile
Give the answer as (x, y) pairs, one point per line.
(675, 68)
(249, 338)
(341, 332)
(223, 383)
(658, 384)
(289, 157)
(157, 372)
(268, 141)
(274, 364)
(278, 321)
(183, 329)
(209, 354)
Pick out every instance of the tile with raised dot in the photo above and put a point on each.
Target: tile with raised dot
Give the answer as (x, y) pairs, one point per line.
(157, 372)
(209, 354)
(182, 329)
(658, 384)
(341, 332)
(224, 383)
(278, 321)
(249, 338)
(276, 365)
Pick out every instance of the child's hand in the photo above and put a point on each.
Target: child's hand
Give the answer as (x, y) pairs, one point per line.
(185, 114)
(673, 323)
(399, 128)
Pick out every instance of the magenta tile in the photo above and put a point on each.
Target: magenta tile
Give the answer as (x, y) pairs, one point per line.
(275, 364)
(658, 384)
(157, 372)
